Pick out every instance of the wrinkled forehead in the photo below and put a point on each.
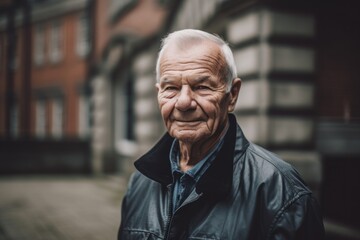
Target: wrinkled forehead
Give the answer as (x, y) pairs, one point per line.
(185, 43)
(193, 54)
(190, 44)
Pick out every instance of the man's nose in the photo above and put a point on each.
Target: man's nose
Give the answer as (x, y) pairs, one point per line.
(185, 100)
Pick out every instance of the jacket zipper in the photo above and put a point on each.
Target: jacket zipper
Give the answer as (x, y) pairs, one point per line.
(170, 213)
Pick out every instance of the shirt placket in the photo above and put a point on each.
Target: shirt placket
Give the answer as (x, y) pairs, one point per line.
(184, 188)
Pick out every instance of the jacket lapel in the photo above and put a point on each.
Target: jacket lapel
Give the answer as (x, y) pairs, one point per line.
(216, 181)
(155, 163)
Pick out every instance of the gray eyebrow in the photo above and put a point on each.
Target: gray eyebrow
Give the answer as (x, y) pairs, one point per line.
(195, 80)
(201, 79)
(166, 80)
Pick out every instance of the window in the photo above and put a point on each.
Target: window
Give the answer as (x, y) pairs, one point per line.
(39, 48)
(84, 117)
(82, 36)
(40, 119)
(124, 138)
(14, 120)
(57, 117)
(55, 51)
(16, 51)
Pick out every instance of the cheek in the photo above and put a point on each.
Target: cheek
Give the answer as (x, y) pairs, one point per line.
(210, 106)
(216, 110)
(166, 107)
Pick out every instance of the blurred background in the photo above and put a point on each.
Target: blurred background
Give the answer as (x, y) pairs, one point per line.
(78, 103)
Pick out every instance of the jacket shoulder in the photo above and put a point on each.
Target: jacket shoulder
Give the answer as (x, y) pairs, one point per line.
(297, 213)
(138, 182)
(273, 185)
(270, 167)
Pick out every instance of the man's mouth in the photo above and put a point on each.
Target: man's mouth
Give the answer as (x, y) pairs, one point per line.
(187, 122)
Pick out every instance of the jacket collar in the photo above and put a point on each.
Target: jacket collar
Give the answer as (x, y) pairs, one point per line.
(216, 181)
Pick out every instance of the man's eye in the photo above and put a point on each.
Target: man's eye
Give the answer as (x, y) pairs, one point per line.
(202, 87)
(170, 88)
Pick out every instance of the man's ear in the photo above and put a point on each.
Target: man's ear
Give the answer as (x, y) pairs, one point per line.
(234, 93)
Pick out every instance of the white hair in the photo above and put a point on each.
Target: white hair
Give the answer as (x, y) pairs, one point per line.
(182, 37)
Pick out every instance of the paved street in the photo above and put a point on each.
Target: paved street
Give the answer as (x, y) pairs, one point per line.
(57, 208)
(75, 208)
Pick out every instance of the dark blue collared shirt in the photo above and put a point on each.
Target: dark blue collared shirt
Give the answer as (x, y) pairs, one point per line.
(184, 182)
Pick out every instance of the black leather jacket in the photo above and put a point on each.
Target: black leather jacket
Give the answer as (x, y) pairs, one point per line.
(247, 193)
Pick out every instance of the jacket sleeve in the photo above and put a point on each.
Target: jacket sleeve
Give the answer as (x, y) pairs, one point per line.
(300, 220)
(124, 207)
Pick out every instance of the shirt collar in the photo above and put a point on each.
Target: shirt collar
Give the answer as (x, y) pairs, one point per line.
(198, 170)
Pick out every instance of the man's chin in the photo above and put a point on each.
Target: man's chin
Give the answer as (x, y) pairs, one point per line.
(187, 135)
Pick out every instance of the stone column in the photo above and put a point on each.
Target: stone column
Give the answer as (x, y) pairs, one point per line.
(101, 127)
(275, 59)
(148, 126)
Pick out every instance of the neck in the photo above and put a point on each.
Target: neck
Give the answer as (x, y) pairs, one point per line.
(191, 153)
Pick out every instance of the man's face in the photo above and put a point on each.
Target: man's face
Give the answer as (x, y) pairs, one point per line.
(192, 92)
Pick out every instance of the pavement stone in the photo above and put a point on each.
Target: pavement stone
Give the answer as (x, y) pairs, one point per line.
(60, 207)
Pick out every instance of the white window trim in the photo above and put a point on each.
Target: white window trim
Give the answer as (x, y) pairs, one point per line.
(83, 118)
(40, 118)
(56, 42)
(82, 40)
(57, 118)
(39, 44)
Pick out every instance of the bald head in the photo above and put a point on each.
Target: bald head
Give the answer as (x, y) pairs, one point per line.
(186, 39)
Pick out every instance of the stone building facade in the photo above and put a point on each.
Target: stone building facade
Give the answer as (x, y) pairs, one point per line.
(276, 61)
(122, 82)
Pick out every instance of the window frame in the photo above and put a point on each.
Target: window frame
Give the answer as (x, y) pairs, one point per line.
(39, 44)
(56, 41)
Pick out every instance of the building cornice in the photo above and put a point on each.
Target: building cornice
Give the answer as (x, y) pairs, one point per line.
(54, 9)
(48, 10)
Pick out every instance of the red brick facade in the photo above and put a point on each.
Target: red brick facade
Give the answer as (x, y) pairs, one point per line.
(62, 79)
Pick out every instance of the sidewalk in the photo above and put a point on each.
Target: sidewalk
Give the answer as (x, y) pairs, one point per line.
(60, 208)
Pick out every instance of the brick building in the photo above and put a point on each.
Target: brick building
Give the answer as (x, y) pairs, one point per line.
(44, 51)
(56, 52)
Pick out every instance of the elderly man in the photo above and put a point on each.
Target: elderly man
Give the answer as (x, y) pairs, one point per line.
(204, 179)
